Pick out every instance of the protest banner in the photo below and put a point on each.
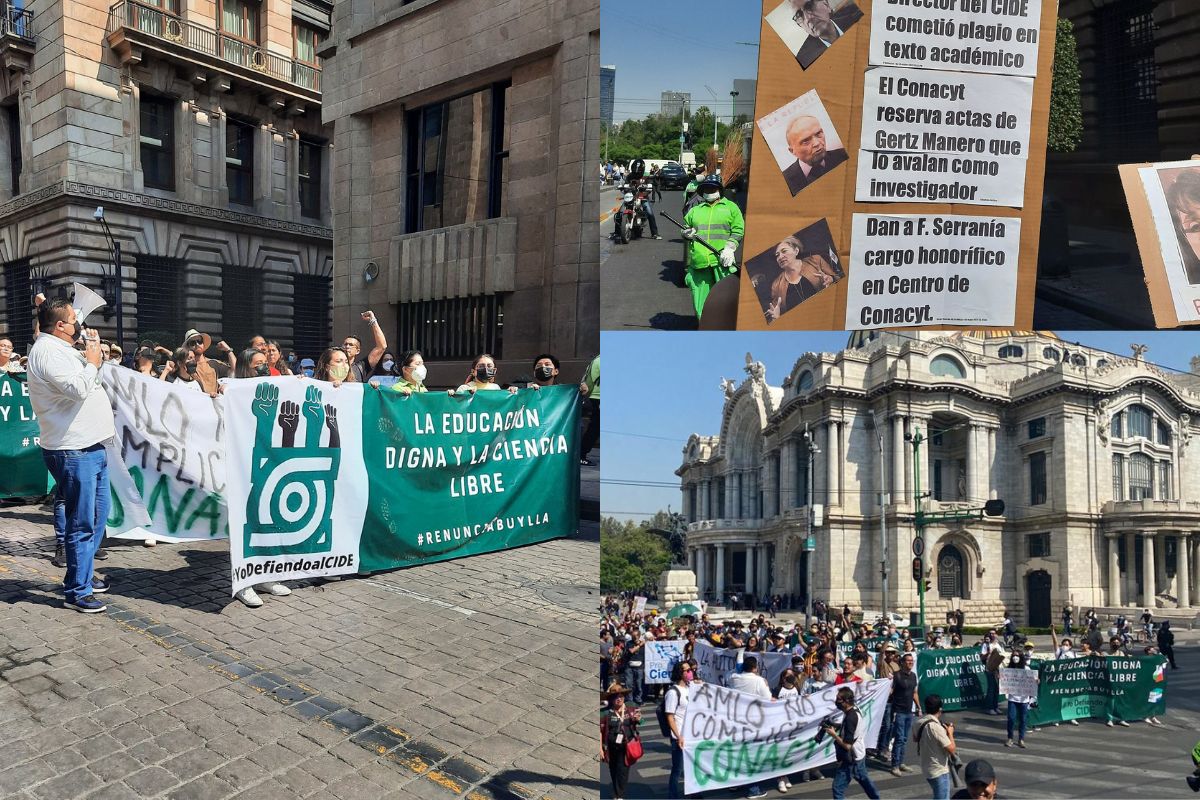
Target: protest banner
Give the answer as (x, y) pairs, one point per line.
(732, 738)
(942, 110)
(167, 461)
(718, 664)
(1104, 687)
(844, 649)
(24, 473)
(955, 675)
(1019, 682)
(661, 656)
(328, 481)
(925, 269)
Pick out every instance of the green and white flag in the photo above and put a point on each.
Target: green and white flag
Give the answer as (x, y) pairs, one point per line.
(328, 481)
(24, 473)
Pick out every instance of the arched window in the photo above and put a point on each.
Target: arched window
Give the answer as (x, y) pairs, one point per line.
(1051, 354)
(1164, 433)
(1115, 428)
(950, 572)
(1078, 360)
(805, 382)
(1139, 422)
(947, 367)
(1012, 351)
(1102, 363)
(1141, 477)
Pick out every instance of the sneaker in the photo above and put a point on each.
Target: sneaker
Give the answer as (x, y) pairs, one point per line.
(1021, 744)
(782, 786)
(60, 556)
(99, 585)
(1123, 723)
(275, 589)
(656, 236)
(1108, 723)
(886, 755)
(101, 555)
(761, 793)
(1008, 743)
(150, 542)
(995, 712)
(787, 783)
(586, 462)
(1074, 722)
(1056, 724)
(249, 597)
(905, 768)
(86, 605)
(896, 771)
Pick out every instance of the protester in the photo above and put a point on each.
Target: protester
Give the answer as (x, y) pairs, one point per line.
(183, 370)
(674, 708)
(1166, 642)
(482, 377)
(75, 420)
(935, 744)
(993, 656)
(1066, 619)
(545, 370)
(333, 366)
(308, 367)
(208, 370)
(1018, 705)
(9, 362)
(412, 374)
(253, 364)
(589, 388)
(361, 367)
(633, 667)
(276, 364)
(618, 727)
(749, 681)
(387, 364)
(847, 674)
(980, 780)
(849, 747)
(146, 361)
(606, 646)
(903, 701)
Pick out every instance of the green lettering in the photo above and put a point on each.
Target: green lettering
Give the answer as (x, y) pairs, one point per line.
(162, 494)
(787, 761)
(698, 772)
(721, 771)
(769, 761)
(209, 509)
(116, 511)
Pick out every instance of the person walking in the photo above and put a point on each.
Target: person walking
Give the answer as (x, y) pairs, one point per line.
(748, 680)
(935, 744)
(674, 707)
(75, 421)
(903, 701)
(1166, 642)
(1018, 705)
(850, 747)
(618, 727)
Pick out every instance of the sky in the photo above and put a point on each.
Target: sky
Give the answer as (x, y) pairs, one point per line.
(659, 388)
(669, 45)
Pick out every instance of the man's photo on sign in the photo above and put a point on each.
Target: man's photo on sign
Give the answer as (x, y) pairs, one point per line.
(794, 269)
(810, 27)
(803, 140)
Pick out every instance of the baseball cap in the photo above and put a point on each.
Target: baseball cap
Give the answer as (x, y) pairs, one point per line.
(979, 771)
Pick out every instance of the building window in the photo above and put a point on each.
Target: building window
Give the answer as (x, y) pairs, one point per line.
(310, 178)
(241, 304)
(937, 479)
(1164, 481)
(1118, 478)
(1039, 545)
(1037, 479)
(805, 382)
(239, 24)
(310, 314)
(1141, 477)
(801, 475)
(1102, 363)
(1139, 422)
(306, 40)
(1037, 427)
(18, 305)
(720, 498)
(1012, 351)
(459, 327)
(775, 474)
(1164, 433)
(1115, 428)
(14, 145)
(239, 160)
(1078, 360)
(456, 170)
(1050, 354)
(160, 301)
(947, 367)
(1127, 79)
(157, 137)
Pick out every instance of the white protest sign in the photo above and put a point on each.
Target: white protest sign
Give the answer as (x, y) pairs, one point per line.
(931, 269)
(977, 180)
(1175, 234)
(1019, 682)
(717, 665)
(999, 36)
(639, 604)
(661, 657)
(732, 738)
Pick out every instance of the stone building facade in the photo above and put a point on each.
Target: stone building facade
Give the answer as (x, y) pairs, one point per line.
(1090, 453)
(467, 132)
(196, 126)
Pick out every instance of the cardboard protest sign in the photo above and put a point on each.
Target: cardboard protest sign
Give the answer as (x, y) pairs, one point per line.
(1164, 203)
(809, 32)
(1103, 687)
(639, 604)
(661, 656)
(1019, 682)
(717, 665)
(790, 272)
(732, 738)
(940, 112)
(803, 140)
(325, 481)
(24, 473)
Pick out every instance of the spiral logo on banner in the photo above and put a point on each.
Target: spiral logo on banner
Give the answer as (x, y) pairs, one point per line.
(290, 506)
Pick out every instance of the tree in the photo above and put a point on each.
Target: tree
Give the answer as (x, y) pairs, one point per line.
(630, 556)
(1066, 119)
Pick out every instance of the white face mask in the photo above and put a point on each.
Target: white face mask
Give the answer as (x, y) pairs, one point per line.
(711, 197)
(419, 373)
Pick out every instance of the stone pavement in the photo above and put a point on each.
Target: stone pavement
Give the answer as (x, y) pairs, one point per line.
(469, 678)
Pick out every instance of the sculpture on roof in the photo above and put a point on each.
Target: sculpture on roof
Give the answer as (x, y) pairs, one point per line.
(728, 387)
(1139, 350)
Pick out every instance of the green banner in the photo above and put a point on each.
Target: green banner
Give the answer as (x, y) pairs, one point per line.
(1106, 687)
(956, 675)
(24, 473)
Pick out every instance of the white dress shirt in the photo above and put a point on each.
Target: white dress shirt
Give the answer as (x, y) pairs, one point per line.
(72, 407)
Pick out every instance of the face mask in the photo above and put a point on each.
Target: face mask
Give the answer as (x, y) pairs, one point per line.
(545, 373)
(689, 675)
(711, 197)
(484, 373)
(419, 373)
(387, 365)
(191, 368)
(308, 373)
(263, 370)
(339, 371)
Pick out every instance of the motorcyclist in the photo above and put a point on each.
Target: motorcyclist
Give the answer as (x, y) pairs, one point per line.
(636, 182)
(718, 222)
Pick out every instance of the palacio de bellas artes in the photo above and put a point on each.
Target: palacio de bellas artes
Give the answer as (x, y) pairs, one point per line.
(1090, 454)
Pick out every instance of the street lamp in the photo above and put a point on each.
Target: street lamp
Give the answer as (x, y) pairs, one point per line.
(809, 571)
(883, 498)
(111, 284)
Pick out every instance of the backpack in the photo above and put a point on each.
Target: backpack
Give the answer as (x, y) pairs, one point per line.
(661, 712)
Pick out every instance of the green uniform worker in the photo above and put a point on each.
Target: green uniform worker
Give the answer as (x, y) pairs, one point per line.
(719, 222)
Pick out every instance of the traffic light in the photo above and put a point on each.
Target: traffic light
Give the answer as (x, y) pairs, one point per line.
(993, 508)
(918, 568)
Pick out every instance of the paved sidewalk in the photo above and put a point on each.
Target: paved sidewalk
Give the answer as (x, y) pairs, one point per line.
(458, 679)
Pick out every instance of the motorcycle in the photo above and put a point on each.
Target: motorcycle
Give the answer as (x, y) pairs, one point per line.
(632, 213)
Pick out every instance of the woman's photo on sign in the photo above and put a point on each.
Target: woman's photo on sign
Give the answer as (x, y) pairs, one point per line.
(810, 27)
(803, 140)
(794, 269)
(1181, 188)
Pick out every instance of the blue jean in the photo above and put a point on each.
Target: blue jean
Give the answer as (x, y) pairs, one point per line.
(675, 782)
(82, 476)
(1016, 714)
(940, 786)
(1066, 628)
(901, 728)
(633, 680)
(885, 729)
(60, 517)
(857, 771)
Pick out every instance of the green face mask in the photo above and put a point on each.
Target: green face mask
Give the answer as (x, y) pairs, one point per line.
(263, 370)
(339, 371)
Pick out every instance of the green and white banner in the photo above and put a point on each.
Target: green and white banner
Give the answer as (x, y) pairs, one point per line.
(733, 738)
(24, 473)
(1105, 687)
(325, 481)
(956, 675)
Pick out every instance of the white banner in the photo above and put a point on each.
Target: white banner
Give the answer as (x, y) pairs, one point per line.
(732, 738)
(930, 269)
(167, 461)
(717, 665)
(998, 36)
(661, 657)
(1019, 682)
(310, 502)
